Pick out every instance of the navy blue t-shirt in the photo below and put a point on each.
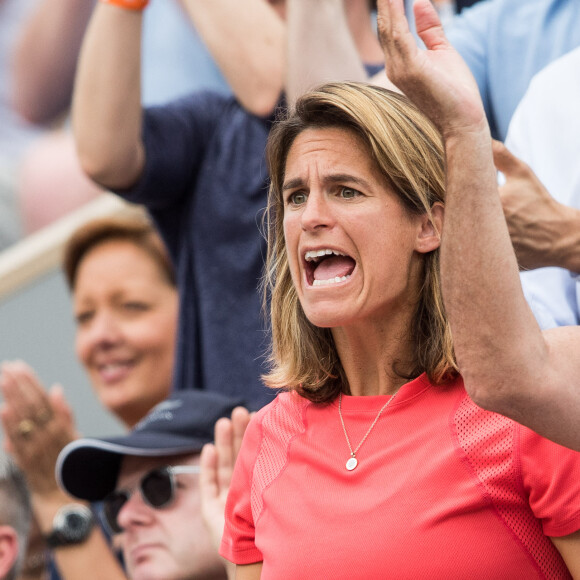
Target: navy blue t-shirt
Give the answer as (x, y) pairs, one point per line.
(205, 185)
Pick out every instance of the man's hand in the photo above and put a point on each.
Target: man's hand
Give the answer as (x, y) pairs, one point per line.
(537, 223)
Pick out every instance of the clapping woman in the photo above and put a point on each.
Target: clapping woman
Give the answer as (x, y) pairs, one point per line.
(125, 304)
(373, 462)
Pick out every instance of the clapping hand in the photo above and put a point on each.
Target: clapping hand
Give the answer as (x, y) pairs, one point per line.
(37, 425)
(217, 465)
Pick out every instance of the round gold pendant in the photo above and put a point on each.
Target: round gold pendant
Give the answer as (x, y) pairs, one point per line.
(351, 463)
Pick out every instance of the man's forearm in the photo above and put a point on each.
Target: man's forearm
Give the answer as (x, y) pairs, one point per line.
(320, 46)
(567, 246)
(107, 98)
(45, 58)
(246, 38)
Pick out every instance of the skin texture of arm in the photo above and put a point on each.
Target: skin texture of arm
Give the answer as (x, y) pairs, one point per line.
(246, 38)
(509, 366)
(320, 46)
(36, 454)
(249, 571)
(569, 548)
(107, 111)
(543, 231)
(45, 57)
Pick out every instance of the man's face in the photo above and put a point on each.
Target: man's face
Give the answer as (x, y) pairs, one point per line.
(169, 543)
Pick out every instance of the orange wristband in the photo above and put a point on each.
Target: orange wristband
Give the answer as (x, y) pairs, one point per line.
(135, 5)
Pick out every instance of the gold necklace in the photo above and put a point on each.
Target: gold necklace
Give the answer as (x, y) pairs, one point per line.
(352, 460)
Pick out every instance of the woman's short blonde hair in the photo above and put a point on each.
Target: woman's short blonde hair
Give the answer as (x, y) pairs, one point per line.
(408, 151)
(137, 230)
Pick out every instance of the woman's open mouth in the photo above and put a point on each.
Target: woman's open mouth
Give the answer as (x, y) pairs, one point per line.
(327, 266)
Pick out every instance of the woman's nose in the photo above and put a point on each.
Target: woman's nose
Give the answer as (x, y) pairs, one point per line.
(317, 212)
(104, 329)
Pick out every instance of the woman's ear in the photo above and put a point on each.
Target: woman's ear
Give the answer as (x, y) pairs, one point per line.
(429, 235)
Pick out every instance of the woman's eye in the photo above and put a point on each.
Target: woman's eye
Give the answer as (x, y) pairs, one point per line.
(349, 192)
(84, 317)
(297, 198)
(135, 306)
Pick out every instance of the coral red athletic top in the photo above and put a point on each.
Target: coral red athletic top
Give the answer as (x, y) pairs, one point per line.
(443, 489)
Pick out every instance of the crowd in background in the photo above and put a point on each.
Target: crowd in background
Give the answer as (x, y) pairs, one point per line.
(195, 312)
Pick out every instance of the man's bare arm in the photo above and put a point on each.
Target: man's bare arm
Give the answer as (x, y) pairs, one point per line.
(107, 98)
(320, 46)
(45, 58)
(543, 231)
(246, 39)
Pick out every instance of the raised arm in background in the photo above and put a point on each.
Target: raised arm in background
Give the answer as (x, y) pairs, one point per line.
(320, 45)
(107, 111)
(329, 40)
(508, 364)
(45, 58)
(107, 102)
(246, 38)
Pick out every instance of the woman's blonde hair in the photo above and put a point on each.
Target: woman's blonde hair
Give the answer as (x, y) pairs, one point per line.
(135, 229)
(408, 151)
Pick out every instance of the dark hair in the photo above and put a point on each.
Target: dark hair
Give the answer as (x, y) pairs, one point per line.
(136, 230)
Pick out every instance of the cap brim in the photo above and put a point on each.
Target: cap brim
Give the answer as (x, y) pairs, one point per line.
(88, 468)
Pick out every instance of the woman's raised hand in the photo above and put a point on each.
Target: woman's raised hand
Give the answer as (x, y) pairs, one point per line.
(437, 79)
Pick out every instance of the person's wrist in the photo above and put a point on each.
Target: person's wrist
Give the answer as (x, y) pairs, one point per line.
(46, 506)
(569, 240)
(134, 5)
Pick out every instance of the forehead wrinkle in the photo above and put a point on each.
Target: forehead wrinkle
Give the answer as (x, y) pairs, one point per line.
(335, 178)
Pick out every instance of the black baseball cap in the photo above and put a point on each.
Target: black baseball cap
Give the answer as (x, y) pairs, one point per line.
(183, 423)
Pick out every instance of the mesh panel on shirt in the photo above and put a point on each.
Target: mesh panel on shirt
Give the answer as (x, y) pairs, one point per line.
(489, 441)
(279, 426)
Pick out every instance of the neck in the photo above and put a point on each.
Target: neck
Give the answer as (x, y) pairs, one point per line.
(365, 38)
(371, 355)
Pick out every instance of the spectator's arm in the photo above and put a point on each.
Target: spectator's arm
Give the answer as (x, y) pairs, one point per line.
(92, 560)
(543, 231)
(569, 548)
(45, 58)
(107, 115)
(37, 425)
(320, 46)
(507, 363)
(246, 39)
(249, 571)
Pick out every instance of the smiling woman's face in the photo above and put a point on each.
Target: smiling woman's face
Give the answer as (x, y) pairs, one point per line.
(351, 244)
(126, 314)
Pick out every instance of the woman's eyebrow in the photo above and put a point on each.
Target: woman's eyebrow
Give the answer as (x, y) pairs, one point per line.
(332, 178)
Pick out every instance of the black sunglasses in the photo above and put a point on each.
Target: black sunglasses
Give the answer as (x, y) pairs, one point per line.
(157, 489)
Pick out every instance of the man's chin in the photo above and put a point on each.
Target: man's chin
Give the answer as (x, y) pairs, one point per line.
(150, 565)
